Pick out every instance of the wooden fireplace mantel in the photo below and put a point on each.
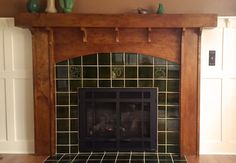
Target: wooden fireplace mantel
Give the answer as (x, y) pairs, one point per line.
(57, 37)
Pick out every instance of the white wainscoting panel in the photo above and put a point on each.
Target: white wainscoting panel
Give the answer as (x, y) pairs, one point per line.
(218, 89)
(16, 90)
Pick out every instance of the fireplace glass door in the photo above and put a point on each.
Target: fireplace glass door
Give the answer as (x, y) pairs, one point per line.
(117, 119)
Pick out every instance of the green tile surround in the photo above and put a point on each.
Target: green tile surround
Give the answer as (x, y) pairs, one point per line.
(114, 70)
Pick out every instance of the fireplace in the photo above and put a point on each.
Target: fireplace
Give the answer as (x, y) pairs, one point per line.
(61, 37)
(117, 119)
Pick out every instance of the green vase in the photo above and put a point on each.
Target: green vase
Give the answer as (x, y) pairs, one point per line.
(32, 6)
(160, 9)
(67, 5)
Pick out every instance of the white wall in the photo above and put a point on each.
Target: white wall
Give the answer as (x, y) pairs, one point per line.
(16, 90)
(218, 89)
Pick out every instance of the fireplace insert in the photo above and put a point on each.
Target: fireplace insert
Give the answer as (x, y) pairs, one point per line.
(117, 119)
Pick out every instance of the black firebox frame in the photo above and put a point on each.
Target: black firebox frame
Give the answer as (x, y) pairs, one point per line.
(117, 96)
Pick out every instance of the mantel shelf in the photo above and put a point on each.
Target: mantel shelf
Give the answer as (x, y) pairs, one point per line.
(116, 20)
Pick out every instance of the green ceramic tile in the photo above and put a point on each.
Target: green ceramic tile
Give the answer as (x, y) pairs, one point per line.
(62, 112)
(160, 72)
(73, 98)
(75, 72)
(131, 72)
(171, 63)
(173, 98)
(131, 83)
(173, 85)
(74, 149)
(104, 83)
(145, 83)
(62, 138)
(145, 72)
(104, 72)
(131, 59)
(159, 61)
(62, 149)
(117, 83)
(161, 111)
(117, 72)
(62, 99)
(74, 125)
(161, 125)
(75, 61)
(90, 83)
(90, 72)
(161, 84)
(74, 85)
(62, 63)
(173, 149)
(90, 59)
(104, 58)
(74, 138)
(161, 149)
(145, 60)
(173, 124)
(62, 86)
(161, 138)
(173, 111)
(117, 59)
(173, 72)
(63, 125)
(74, 112)
(62, 72)
(161, 98)
(173, 138)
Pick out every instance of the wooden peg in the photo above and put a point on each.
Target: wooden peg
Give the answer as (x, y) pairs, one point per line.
(85, 36)
(149, 34)
(117, 34)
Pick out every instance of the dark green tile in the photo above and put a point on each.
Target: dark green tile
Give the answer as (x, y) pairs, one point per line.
(62, 72)
(117, 59)
(131, 83)
(173, 149)
(161, 148)
(117, 83)
(130, 72)
(75, 61)
(90, 59)
(104, 72)
(171, 63)
(62, 86)
(74, 85)
(145, 83)
(145, 72)
(62, 149)
(90, 83)
(74, 149)
(173, 124)
(161, 84)
(173, 98)
(161, 111)
(74, 125)
(74, 112)
(173, 85)
(161, 138)
(68, 157)
(90, 72)
(160, 72)
(159, 61)
(173, 111)
(73, 98)
(104, 58)
(117, 72)
(62, 63)
(104, 83)
(173, 72)
(62, 138)
(131, 59)
(161, 98)
(62, 112)
(62, 99)
(173, 138)
(161, 125)
(73, 138)
(145, 60)
(55, 157)
(63, 125)
(75, 72)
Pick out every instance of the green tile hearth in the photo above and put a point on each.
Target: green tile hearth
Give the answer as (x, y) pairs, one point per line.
(116, 157)
(117, 70)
